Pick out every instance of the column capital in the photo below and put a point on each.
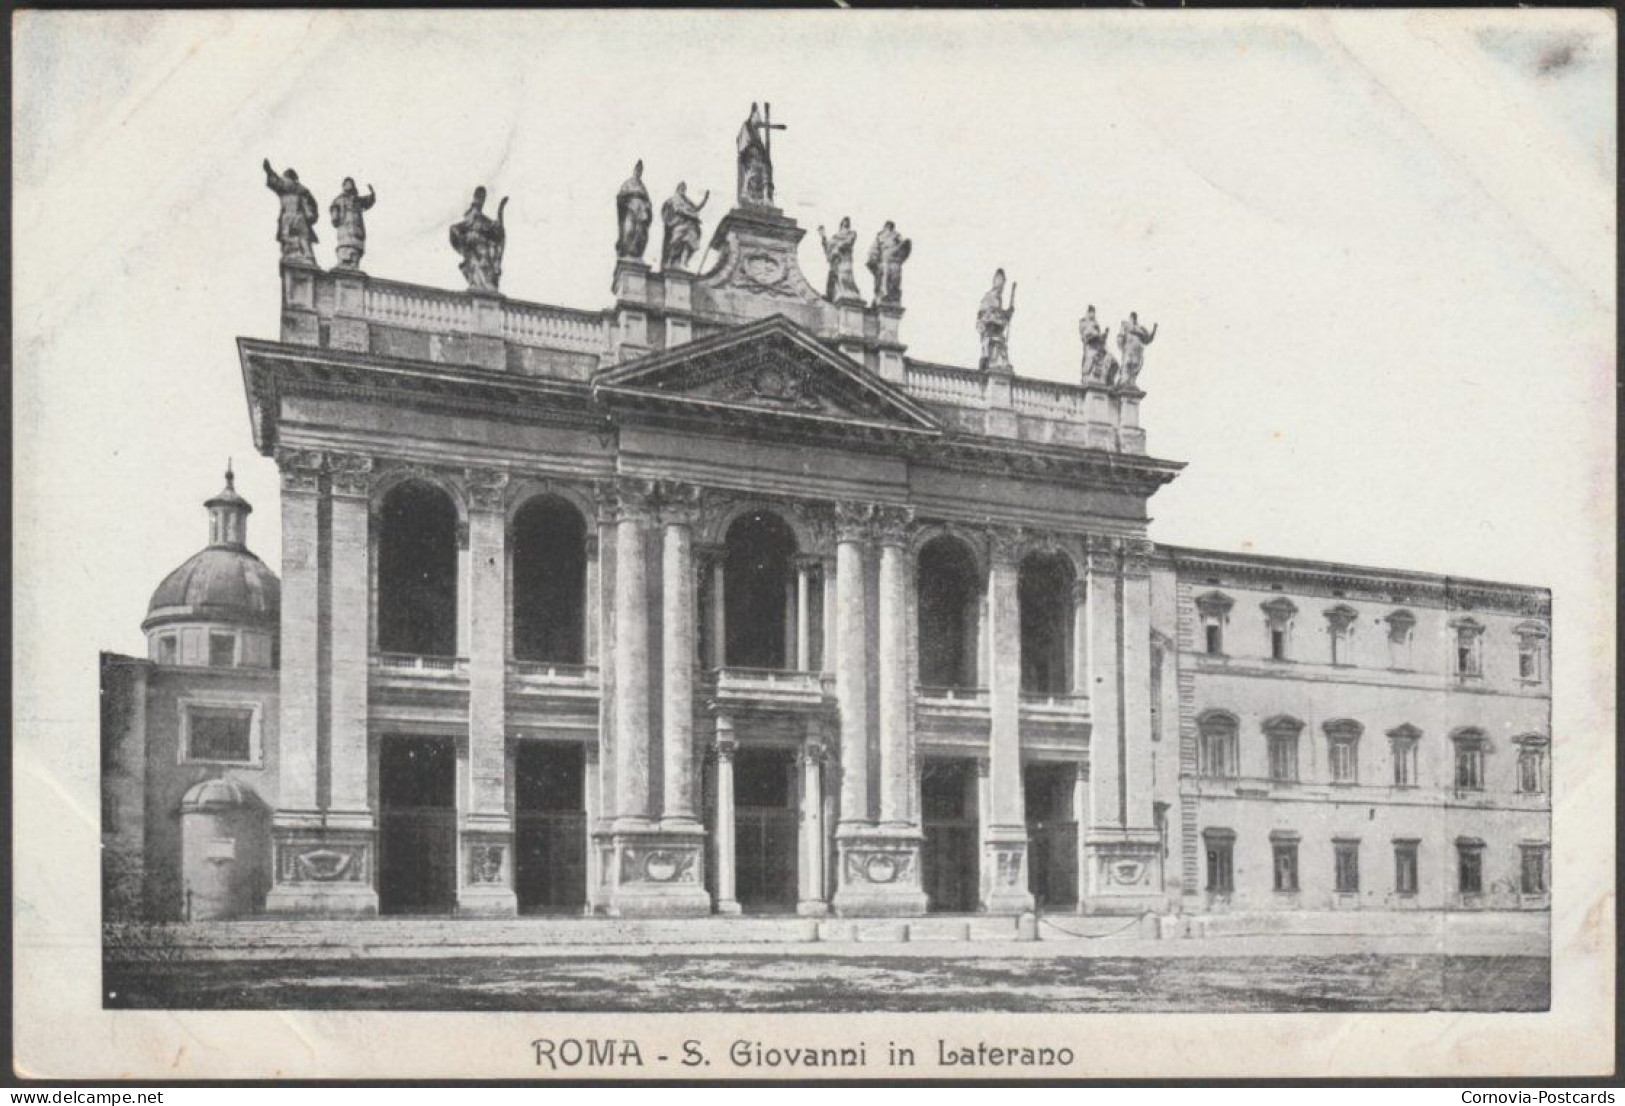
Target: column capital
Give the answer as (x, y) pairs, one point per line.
(726, 747)
(853, 520)
(1136, 557)
(301, 470)
(679, 503)
(892, 524)
(1004, 545)
(812, 755)
(984, 765)
(1080, 591)
(487, 488)
(808, 562)
(635, 499)
(350, 474)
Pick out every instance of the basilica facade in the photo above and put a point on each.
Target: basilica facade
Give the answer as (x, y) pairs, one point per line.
(713, 600)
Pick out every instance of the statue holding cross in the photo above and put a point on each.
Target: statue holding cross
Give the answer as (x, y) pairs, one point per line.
(756, 156)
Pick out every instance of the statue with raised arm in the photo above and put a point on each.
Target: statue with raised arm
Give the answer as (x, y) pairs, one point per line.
(993, 325)
(296, 222)
(634, 213)
(682, 218)
(481, 241)
(841, 285)
(346, 212)
(1099, 366)
(1132, 338)
(886, 257)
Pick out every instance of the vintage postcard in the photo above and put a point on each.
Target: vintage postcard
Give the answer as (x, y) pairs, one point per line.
(789, 545)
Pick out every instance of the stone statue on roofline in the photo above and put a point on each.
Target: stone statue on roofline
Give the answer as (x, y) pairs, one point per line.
(756, 156)
(634, 213)
(481, 241)
(993, 325)
(841, 285)
(682, 218)
(346, 212)
(1132, 338)
(1099, 366)
(886, 257)
(296, 222)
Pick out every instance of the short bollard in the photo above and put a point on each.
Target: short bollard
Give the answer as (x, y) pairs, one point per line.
(1027, 927)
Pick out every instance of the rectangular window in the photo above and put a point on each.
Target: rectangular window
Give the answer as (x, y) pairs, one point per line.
(1405, 763)
(1220, 868)
(1338, 649)
(1534, 869)
(1284, 759)
(1469, 766)
(1219, 755)
(168, 650)
(222, 650)
(1346, 858)
(1405, 881)
(1530, 776)
(1215, 638)
(1278, 645)
(1470, 869)
(220, 733)
(1344, 762)
(1526, 665)
(1286, 865)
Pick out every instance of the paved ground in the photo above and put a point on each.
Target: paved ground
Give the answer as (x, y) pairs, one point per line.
(797, 980)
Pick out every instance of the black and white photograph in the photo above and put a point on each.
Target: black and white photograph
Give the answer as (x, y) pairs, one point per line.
(774, 545)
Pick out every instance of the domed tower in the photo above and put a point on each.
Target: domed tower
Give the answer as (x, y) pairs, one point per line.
(219, 609)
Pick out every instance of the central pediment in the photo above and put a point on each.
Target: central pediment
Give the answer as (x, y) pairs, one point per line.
(771, 370)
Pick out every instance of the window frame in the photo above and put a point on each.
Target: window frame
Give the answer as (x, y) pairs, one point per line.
(1404, 745)
(1218, 731)
(1532, 751)
(1401, 640)
(1219, 849)
(1213, 609)
(1346, 849)
(1471, 749)
(1531, 647)
(1541, 853)
(1469, 649)
(256, 749)
(1279, 615)
(1469, 850)
(1343, 737)
(1407, 857)
(1285, 878)
(217, 637)
(1283, 732)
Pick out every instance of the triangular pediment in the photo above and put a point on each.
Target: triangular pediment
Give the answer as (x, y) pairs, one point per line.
(773, 370)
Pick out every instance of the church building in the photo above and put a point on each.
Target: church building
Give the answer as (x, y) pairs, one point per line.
(712, 600)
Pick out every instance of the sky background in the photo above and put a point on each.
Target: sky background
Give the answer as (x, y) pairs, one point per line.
(1379, 247)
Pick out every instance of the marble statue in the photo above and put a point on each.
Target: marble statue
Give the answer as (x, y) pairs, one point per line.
(296, 223)
(1132, 338)
(756, 156)
(634, 213)
(682, 218)
(346, 212)
(886, 257)
(1099, 366)
(993, 325)
(841, 285)
(481, 241)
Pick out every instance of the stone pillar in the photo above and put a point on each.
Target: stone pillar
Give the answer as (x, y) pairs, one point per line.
(1006, 854)
(726, 902)
(1080, 637)
(719, 608)
(829, 648)
(631, 659)
(592, 800)
(487, 827)
(350, 481)
(594, 613)
(895, 782)
(601, 828)
(879, 870)
(1080, 815)
(1122, 844)
(812, 894)
(679, 509)
(984, 808)
(321, 862)
(805, 567)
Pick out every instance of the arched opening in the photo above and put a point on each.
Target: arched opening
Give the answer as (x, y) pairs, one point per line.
(1046, 624)
(417, 571)
(549, 582)
(949, 591)
(759, 592)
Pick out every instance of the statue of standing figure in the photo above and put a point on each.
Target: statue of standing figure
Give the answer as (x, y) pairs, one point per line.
(993, 325)
(481, 240)
(886, 259)
(634, 213)
(841, 285)
(346, 213)
(1099, 366)
(1132, 338)
(296, 222)
(756, 156)
(682, 218)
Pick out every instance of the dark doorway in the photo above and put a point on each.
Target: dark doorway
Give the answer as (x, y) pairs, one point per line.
(758, 592)
(1052, 834)
(550, 828)
(765, 830)
(417, 572)
(417, 825)
(949, 616)
(1045, 592)
(950, 864)
(549, 582)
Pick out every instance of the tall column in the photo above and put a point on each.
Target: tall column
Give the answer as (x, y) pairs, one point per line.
(812, 900)
(1103, 586)
(1080, 637)
(298, 702)
(631, 658)
(719, 608)
(805, 567)
(1080, 816)
(892, 533)
(604, 495)
(593, 613)
(828, 646)
(984, 810)
(726, 902)
(852, 673)
(350, 482)
(487, 828)
(592, 801)
(679, 508)
(1006, 855)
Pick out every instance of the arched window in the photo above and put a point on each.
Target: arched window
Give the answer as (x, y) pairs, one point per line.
(949, 614)
(1046, 624)
(549, 582)
(759, 592)
(1217, 753)
(1281, 734)
(1343, 749)
(417, 571)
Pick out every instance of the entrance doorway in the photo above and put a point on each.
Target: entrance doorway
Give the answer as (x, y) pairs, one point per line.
(1052, 834)
(550, 828)
(949, 864)
(765, 830)
(417, 825)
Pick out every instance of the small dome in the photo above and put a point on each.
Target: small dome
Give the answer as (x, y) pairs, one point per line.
(216, 795)
(218, 584)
